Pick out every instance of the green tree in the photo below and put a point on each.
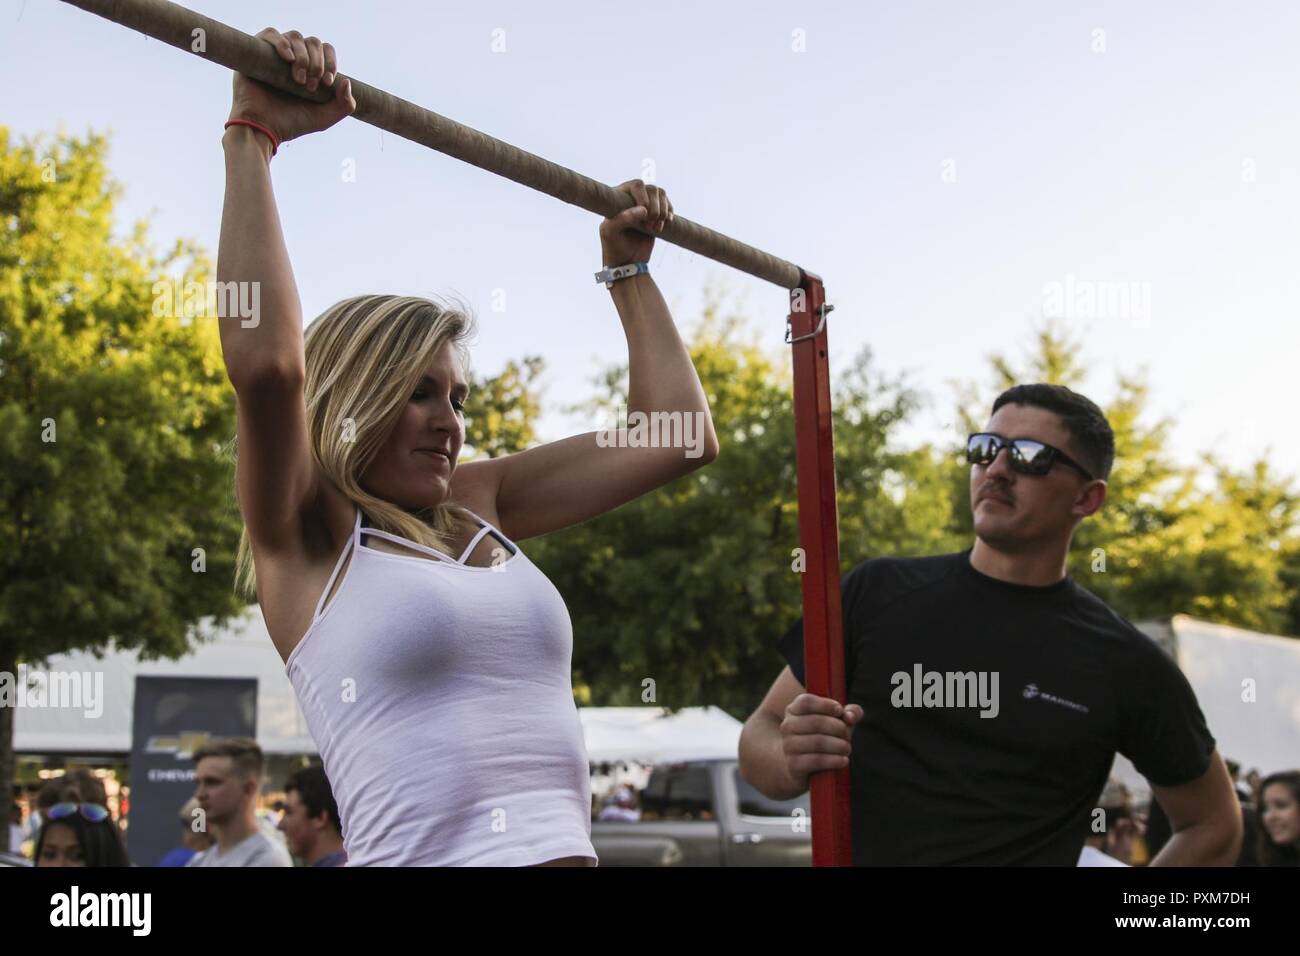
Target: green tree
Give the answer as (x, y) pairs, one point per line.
(1290, 577)
(503, 409)
(1199, 539)
(1231, 544)
(113, 420)
(690, 585)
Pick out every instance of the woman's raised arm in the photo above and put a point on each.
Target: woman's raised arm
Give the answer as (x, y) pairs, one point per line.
(569, 481)
(263, 351)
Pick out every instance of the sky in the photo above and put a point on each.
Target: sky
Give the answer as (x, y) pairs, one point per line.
(955, 172)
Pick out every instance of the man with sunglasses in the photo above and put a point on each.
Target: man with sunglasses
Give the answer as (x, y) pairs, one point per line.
(988, 692)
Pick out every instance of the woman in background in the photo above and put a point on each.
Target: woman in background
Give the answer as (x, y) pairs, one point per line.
(79, 834)
(1279, 814)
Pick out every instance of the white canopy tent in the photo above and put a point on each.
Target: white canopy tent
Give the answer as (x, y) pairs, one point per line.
(652, 735)
(1263, 732)
(244, 649)
(1248, 686)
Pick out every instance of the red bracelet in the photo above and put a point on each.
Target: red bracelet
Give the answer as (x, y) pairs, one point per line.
(275, 143)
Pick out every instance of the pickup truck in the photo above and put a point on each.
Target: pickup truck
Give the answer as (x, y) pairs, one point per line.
(702, 813)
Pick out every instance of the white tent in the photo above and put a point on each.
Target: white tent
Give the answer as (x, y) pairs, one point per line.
(244, 649)
(1248, 686)
(652, 735)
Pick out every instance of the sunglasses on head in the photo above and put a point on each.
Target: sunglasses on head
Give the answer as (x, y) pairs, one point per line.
(1026, 455)
(94, 812)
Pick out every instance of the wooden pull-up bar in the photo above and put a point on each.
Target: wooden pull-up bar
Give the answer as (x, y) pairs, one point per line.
(175, 25)
(818, 531)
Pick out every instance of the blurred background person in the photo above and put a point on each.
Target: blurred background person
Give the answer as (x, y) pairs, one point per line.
(1244, 792)
(230, 776)
(90, 786)
(1112, 844)
(15, 842)
(311, 821)
(192, 841)
(57, 790)
(268, 818)
(79, 834)
(623, 806)
(1254, 780)
(1246, 796)
(1279, 814)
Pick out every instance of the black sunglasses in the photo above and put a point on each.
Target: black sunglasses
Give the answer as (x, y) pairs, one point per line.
(1026, 455)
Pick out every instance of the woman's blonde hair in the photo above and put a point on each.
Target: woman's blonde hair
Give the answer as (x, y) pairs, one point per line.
(365, 357)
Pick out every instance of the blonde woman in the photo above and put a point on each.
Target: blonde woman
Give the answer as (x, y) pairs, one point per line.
(431, 658)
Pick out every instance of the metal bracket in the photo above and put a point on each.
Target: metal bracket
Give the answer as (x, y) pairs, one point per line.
(824, 310)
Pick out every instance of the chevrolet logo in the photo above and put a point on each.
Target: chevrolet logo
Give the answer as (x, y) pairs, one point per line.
(182, 745)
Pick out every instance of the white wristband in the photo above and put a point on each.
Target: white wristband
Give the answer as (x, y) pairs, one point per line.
(611, 275)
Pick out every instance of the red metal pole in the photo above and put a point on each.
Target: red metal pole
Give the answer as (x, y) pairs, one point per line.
(823, 623)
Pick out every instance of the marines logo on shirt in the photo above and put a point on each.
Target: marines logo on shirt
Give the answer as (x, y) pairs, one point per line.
(1031, 692)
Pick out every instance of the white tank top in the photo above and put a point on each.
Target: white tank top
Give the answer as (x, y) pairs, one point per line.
(440, 696)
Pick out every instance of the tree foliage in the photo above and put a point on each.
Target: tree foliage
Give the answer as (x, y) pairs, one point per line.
(1207, 538)
(117, 518)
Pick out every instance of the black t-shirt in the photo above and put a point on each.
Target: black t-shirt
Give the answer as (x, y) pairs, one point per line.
(931, 645)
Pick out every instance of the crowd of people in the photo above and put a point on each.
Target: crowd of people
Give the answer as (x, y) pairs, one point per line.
(1121, 834)
(71, 824)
